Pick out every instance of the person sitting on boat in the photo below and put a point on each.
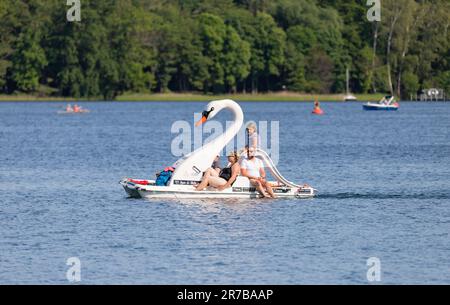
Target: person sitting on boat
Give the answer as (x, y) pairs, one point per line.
(253, 169)
(69, 108)
(76, 108)
(223, 179)
(253, 137)
(387, 100)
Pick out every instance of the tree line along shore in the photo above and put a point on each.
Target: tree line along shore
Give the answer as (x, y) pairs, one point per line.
(138, 48)
(191, 97)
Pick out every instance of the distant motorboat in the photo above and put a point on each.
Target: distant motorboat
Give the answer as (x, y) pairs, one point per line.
(387, 103)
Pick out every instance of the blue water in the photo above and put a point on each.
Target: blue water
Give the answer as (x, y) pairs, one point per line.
(383, 178)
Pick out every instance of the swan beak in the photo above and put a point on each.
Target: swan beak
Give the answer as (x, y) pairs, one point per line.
(201, 121)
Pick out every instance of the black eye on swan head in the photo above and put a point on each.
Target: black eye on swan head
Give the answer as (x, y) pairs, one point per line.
(207, 113)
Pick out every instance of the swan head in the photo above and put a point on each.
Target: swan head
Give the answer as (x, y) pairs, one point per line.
(212, 109)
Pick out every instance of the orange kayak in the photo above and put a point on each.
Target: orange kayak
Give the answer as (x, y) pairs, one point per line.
(318, 111)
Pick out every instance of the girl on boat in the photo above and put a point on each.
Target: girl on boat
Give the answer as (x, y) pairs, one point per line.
(253, 137)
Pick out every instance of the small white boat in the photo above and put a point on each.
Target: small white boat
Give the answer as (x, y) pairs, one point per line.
(388, 103)
(350, 98)
(189, 169)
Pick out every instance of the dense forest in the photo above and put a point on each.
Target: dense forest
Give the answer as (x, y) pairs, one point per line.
(222, 46)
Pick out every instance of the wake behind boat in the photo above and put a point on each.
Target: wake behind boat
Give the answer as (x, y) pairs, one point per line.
(388, 103)
(189, 169)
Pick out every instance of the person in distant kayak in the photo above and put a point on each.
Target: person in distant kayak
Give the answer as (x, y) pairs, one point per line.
(317, 105)
(317, 109)
(223, 179)
(76, 108)
(69, 108)
(253, 169)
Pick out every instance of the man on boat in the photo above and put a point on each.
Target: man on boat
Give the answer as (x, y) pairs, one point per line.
(76, 108)
(253, 169)
(69, 108)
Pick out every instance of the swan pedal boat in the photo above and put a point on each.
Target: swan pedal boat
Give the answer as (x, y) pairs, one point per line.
(190, 168)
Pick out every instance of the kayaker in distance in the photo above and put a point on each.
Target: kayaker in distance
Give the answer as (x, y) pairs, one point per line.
(317, 109)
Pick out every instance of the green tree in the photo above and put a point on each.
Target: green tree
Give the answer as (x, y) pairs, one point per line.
(319, 69)
(235, 60)
(300, 40)
(300, 19)
(6, 40)
(267, 42)
(356, 34)
(222, 46)
(410, 84)
(129, 26)
(28, 61)
(213, 33)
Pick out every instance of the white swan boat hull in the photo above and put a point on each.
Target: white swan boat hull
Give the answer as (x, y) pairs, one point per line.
(240, 189)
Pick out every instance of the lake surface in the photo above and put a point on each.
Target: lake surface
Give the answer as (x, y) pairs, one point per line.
(383, 181)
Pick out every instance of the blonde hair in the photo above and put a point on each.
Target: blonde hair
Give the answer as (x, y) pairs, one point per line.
(252, 126)
(235, 155)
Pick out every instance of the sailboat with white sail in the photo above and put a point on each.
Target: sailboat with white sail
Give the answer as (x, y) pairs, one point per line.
(349, 97)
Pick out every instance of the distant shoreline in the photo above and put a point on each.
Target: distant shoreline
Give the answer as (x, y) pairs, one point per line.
(175, 97)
